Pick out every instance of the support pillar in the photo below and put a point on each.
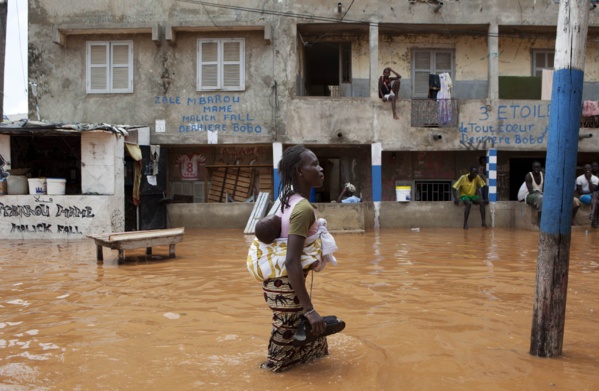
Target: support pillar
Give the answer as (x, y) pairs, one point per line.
(377, 181)
(374, 60)
(492, 179)
(277, 154)
(493, 44)
(549, 311)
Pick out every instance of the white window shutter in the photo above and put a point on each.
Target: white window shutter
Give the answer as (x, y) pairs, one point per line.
(121, 67)
(422, 69)
(443, 61)
(221, 64)
(97, 67)
(232, 64)
(208, 62)
(109, 67)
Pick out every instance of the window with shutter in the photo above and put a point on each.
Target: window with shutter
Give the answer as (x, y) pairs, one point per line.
(109, 67)
(542, 59)
(426, 62)
(221, 65)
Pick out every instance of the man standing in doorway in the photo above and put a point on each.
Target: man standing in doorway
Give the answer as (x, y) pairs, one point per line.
(468, 189)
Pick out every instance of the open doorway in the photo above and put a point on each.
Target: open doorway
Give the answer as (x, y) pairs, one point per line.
(519, 167)
(328, 69)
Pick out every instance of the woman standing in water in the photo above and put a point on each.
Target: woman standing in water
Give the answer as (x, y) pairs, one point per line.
(286, 293)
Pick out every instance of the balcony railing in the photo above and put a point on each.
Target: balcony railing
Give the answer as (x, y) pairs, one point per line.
(429, 113)
(589, 122)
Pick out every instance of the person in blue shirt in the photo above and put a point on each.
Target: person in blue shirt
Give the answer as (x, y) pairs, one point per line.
(347, 194)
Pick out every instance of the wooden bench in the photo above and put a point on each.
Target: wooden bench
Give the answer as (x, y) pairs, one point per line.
(137, 239)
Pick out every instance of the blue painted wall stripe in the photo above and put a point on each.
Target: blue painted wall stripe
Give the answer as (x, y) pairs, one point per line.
(562, 148)
(276, 182)
(377, 183)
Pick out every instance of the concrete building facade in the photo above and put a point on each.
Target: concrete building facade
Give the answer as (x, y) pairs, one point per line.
(233, 83)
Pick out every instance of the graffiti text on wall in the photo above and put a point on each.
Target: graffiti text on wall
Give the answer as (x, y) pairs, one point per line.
(508, 125)
(47, 211)
(216, 113)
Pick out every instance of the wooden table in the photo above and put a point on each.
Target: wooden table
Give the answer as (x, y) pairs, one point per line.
(137, 239)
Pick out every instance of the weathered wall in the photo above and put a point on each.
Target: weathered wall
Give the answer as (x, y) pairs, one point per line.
(354, 217)
(55, 216)
(165, 72)
(99, 209)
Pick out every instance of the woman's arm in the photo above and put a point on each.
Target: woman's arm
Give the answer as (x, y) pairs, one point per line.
(295, 246)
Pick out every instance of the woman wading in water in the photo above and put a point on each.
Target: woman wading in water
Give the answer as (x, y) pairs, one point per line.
(284, 285)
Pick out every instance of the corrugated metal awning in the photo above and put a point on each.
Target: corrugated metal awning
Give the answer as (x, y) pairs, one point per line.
(43, 128)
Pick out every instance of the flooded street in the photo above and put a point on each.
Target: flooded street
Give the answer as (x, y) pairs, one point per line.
(439, 309)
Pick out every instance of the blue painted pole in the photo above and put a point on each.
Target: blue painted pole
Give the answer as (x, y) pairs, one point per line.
(553, 259)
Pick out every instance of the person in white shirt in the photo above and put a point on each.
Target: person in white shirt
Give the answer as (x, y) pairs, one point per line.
(586, 184)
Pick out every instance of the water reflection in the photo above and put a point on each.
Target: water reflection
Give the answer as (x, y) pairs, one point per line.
(436, 309)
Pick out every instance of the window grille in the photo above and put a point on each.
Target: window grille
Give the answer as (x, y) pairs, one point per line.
(433, 190)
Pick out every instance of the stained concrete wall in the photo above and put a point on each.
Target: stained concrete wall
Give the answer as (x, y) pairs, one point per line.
(100, 209)
(165, 33)
(367, 215)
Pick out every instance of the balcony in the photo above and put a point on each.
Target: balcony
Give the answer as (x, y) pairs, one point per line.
(428, 113)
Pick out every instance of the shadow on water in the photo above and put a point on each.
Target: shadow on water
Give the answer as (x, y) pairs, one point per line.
(439, 309)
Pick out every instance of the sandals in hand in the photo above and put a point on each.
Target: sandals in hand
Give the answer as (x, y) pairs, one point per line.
(303, 334)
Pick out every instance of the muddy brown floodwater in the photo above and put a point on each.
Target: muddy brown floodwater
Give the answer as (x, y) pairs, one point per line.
(439, 309)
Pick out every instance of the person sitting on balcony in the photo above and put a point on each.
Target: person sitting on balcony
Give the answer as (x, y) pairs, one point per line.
(468, 186)
(389, 88)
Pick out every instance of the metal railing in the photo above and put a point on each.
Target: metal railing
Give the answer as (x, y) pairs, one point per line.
(428, 113)
(433, 190)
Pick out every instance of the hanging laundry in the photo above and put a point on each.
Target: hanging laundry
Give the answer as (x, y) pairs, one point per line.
(444, 98)
(434, 85)
(154, 157)
(590, 108)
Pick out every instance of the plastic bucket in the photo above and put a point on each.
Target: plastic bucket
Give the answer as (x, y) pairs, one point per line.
(55, 186)
(403, 193)
(37, 185)
(16, 184)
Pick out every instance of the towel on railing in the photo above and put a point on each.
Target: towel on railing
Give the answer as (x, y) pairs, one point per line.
(590, 108)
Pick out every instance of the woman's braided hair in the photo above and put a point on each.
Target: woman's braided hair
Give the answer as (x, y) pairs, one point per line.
(290, 162)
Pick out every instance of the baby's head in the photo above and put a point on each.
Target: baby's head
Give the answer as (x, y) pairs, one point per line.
(268, 229)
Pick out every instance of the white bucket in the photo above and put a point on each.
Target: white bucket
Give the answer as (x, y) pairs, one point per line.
(403, 193)
(56, 186)
(37, 185)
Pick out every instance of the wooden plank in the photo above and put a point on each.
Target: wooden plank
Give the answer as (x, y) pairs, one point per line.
(141, 243)
(259, 211)
(237, 182)
(145, 234)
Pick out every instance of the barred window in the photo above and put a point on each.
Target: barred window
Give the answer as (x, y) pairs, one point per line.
(433, 190)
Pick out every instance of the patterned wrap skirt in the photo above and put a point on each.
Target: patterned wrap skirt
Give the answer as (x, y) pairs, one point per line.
(286, 313)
